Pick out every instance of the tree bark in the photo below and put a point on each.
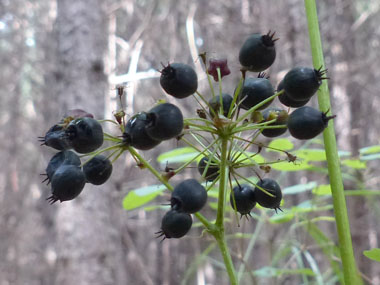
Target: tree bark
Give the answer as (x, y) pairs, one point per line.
(88, 237)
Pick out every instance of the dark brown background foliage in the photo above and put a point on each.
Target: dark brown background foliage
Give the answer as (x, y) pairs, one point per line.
(59, 55)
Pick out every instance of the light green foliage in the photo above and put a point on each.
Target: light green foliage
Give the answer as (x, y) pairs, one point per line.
(139, 197)
(373, 254)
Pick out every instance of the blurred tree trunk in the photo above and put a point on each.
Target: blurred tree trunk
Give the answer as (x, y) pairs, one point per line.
(88, 239)
(25, 225)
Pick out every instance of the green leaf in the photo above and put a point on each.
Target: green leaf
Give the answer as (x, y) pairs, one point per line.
(307, 207)
(139, 197)
(326, 190)
(268, 271)
(361, 192)
(281, 218)
(354, 163)
(342, 153)
(370, 157)
(213, 192)
(373, 254)
(178, 155)
(299, 188)
(156, 207)
(311, 154)
(322, 190)
(282, 144)
(370, 149)
(290, 166)
(213, 205)
(323, 219)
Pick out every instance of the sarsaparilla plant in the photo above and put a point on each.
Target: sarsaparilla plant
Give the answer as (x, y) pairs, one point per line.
(222, 131)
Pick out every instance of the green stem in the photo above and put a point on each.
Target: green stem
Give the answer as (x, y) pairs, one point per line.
(350, 272)
(236, 95)
(221, 240)
(150, 167)
(265, 125)
(218, 233)
(222, 184)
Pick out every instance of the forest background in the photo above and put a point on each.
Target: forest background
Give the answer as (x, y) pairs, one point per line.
(60, 55)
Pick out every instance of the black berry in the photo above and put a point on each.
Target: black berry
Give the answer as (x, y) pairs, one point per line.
(301, 83)
(263, 198)
(97, 170)
(135, 133)
(212, 170)
(254, 91)
(175, 224)
(214, 104)
(56, 138)
(287, 101)
(165, 121)
(258, 52)
(179, 80)
(189, 196)
(63, 157)
(67, 183)
(281, 117)
(245, 200)
(85, 134)
(306, 122)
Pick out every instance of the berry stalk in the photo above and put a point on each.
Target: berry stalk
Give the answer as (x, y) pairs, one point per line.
(350, 271)
(219, 233)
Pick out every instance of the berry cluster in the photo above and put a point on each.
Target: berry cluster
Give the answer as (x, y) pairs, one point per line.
(146, 130)
(267, 194)
(295, 90)
(79, 131)
(225, 118)
(188, 197)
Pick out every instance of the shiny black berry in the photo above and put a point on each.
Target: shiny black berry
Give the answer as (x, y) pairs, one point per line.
(287, 101)
(67, 183)
(63, 157)
(306, 122)
(281, 117)
(175, 224)
(212, 171)
(56, 138)
(258, 52)
(244, 197)
(215, 105)
(263, 198)
(301, 83)
(97, 170)
(165, 121)
(254, 91)
(135, 133)
(85, 134)
(179, 80)
(189, 196)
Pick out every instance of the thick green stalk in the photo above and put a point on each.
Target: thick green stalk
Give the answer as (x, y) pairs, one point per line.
(350, 272)
(219, 233)
(222, 184)
(224, 250)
